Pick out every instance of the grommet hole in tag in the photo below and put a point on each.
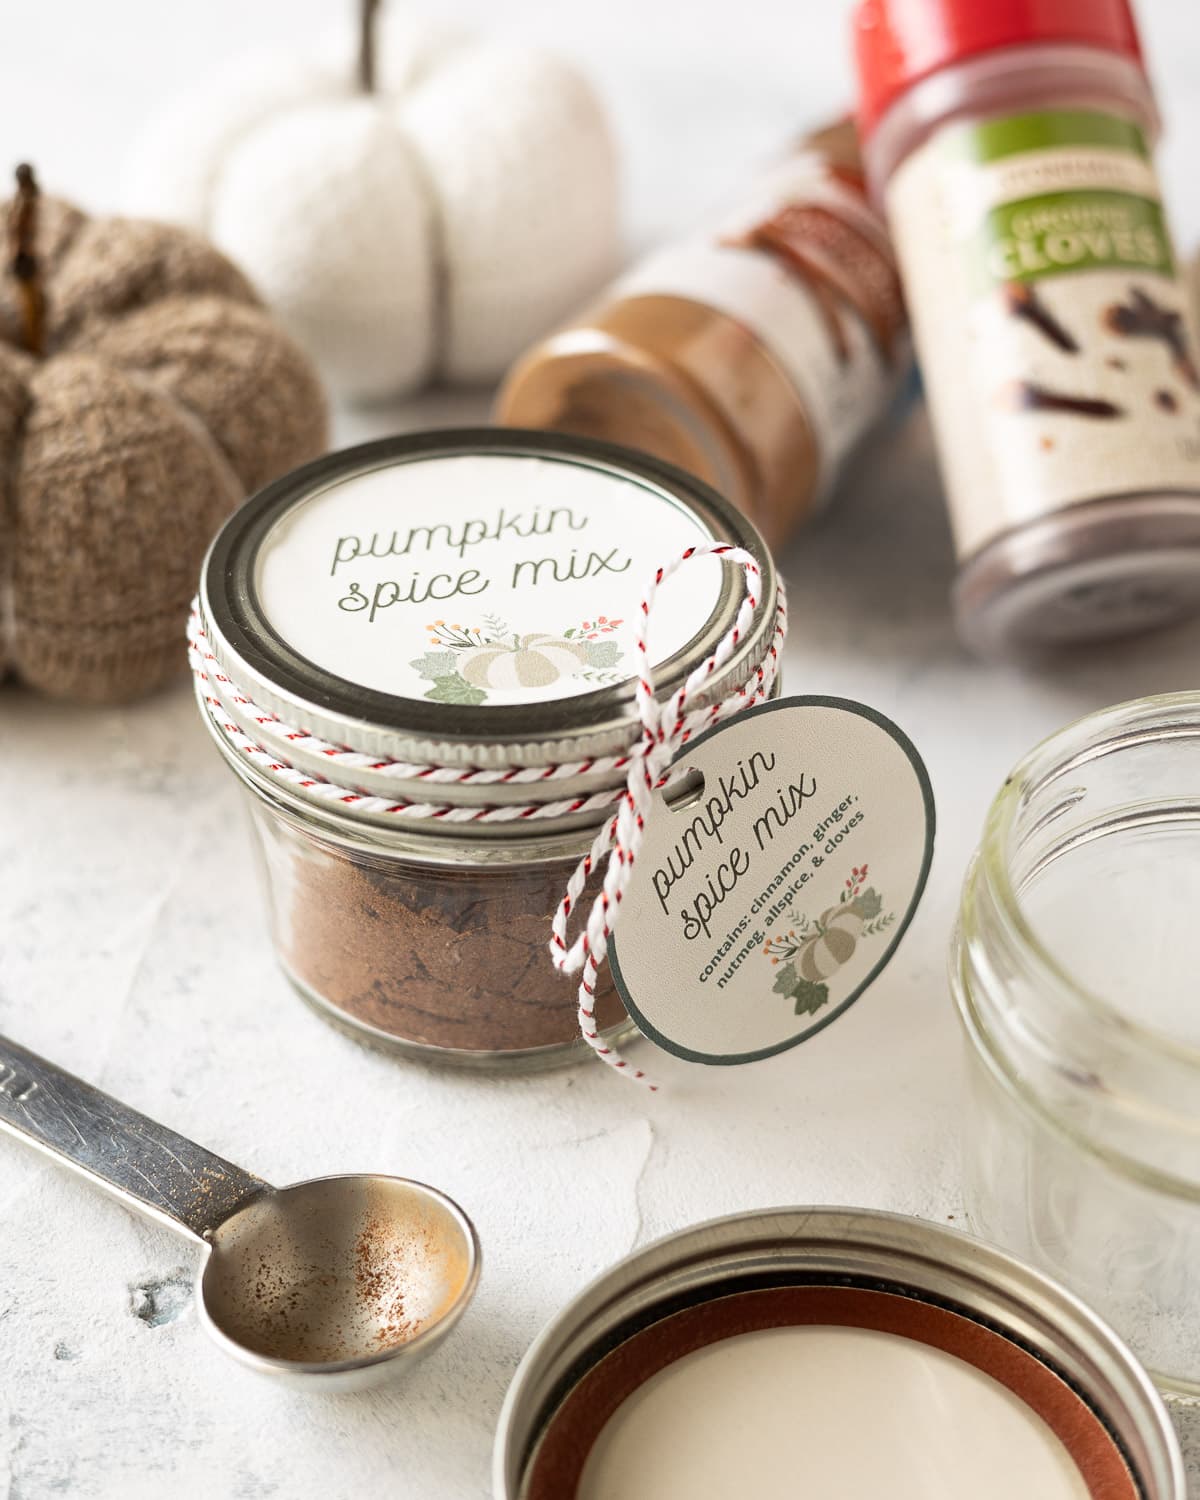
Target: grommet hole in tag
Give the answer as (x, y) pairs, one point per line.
(685, 792)
(775, 879)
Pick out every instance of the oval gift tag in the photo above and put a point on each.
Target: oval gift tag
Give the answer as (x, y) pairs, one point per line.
(766, 901)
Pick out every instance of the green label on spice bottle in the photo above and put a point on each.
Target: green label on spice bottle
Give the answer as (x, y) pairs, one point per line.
(1059, 232)
(1056, 337)
(1049, 129)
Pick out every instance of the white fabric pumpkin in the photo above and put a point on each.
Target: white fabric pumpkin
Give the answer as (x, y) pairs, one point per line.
(430, 228)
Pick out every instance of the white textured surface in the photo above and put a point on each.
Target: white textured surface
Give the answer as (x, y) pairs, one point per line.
(131, 941)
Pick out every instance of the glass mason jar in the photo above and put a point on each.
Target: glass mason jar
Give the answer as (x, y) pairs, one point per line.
(1074, 968)
(437, 946)
(416, 657)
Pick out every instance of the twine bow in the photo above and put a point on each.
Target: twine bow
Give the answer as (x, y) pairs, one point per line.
(666, 729)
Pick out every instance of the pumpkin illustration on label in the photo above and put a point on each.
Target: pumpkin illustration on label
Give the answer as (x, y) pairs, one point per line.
(531, 661)
(812, 951)
(464, 662)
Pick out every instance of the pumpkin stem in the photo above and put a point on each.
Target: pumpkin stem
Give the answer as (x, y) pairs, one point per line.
(23, 263)
(367, 11)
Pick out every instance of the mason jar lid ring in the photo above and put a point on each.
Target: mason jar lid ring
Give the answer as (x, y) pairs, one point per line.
(224, 702)
(414, 493)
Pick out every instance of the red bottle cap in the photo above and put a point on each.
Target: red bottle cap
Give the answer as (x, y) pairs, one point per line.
(899, 42)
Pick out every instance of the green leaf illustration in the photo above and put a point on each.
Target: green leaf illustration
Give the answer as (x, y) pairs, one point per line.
(810, 997)
(786, 980)
(873, 927)
(434, 664)
(602, 653)
(868, 905)
(567, 634)
(455, 689)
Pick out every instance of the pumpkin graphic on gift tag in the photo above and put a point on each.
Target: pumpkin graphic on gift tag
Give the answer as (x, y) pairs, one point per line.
(808, 955)
(833, 944)
(532, 661)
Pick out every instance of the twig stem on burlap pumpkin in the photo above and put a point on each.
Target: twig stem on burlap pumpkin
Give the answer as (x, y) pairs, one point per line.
(23, 263)
(367, 11)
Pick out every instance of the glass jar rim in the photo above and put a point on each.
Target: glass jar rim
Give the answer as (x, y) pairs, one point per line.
(1136, 721)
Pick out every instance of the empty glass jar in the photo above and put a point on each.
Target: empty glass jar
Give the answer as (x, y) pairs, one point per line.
(1075, 971)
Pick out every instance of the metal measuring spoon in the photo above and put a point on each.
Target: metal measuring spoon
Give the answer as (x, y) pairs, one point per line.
(336, 1281)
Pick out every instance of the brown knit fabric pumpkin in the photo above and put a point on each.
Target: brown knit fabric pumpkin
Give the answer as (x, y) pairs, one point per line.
(143, 393)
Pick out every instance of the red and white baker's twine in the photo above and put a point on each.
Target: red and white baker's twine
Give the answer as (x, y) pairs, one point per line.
(214, 682)
(666, 728)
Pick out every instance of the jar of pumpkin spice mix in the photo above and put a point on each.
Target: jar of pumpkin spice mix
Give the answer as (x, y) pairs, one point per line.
(417, 656)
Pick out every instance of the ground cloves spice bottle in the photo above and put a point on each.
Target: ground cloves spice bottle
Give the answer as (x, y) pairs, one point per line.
(1011, 143)
(754, 353)
(415, 656)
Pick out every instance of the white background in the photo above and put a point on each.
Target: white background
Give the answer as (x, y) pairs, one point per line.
(132, 945)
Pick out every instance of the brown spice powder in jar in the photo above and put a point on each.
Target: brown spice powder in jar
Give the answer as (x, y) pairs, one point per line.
(442, 957)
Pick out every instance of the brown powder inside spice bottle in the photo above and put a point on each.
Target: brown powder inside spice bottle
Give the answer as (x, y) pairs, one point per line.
(698, 357)
(445, 957)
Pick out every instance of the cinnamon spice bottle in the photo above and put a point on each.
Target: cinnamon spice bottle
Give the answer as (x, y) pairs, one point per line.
(754, 353)
(1012, 145)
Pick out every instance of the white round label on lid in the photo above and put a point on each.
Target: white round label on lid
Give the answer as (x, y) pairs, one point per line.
(832, 1412)
(483, 579)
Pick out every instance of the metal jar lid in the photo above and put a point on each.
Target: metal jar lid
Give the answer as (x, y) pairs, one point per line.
(301, 597)
(938, 1270)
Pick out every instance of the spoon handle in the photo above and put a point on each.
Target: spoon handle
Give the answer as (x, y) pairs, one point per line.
(151, 1168)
